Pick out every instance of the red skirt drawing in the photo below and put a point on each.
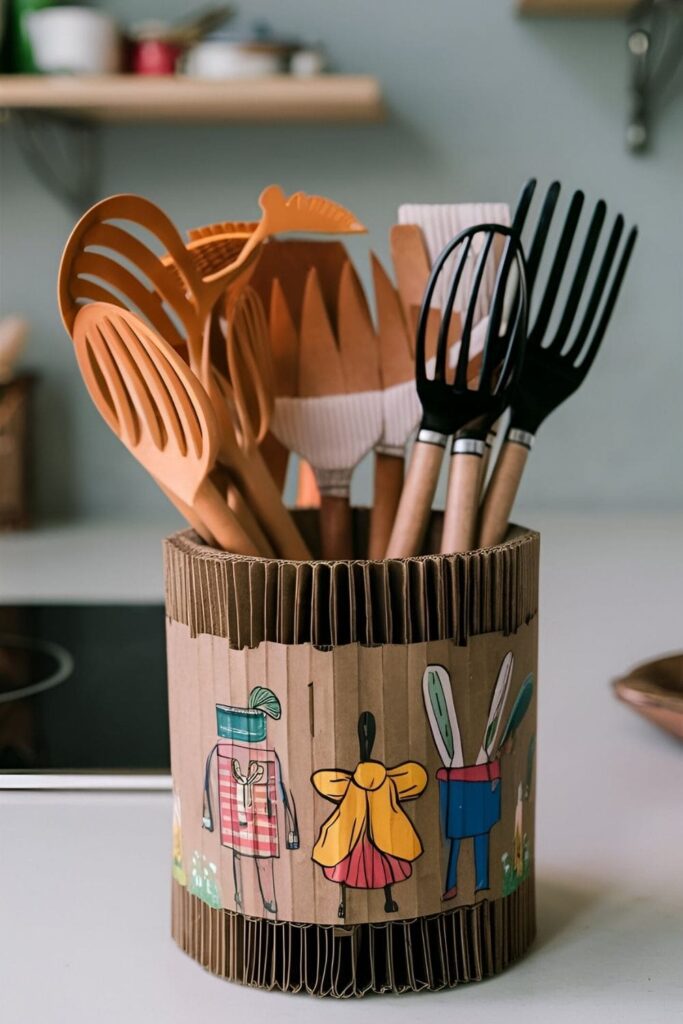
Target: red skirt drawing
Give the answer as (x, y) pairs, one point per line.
(366, 867)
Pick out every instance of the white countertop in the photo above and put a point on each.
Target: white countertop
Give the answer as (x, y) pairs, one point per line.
(84, 918)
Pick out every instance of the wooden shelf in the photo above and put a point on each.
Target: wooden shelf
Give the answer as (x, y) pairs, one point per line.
(577, 8)
(137, 97)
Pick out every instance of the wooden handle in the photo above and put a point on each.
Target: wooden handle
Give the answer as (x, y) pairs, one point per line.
(462, 503)
(223, 523)
(389, 473)
(262, 494)
(189, 515)
(276, 458)
(415, 506)
(238, 505)
(501, 493)
(307, 492)
(490, 443)
(335, 527)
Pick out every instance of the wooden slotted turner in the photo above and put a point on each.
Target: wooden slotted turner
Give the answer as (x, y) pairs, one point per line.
(157, 408)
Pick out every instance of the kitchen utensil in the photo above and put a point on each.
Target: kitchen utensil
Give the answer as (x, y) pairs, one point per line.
(655, 691)
(448, 405)
(74, 40)
(488, 744)
(288, 262)
(225, 249)
(469, 459)
(554, 371)
(397, 322)
(502, 360)
(154, 404)
(400, 408)
(13, 334)
(336, 416)
(180, 304)
(412, 266)
(443, 721)
(439, 223)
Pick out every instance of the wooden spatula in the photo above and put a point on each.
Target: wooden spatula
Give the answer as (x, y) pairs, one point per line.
(335, 419)
(158, 409)
(288, 262)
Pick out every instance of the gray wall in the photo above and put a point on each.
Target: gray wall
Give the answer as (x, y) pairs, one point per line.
(479, 100)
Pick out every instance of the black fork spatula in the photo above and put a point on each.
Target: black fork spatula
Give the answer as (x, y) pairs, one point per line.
(450, 401)
(552, 372)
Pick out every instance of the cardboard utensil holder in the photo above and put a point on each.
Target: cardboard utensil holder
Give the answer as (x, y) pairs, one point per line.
(352, 750)
(15, 406)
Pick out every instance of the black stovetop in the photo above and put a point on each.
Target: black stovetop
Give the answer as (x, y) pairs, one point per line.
(83, 689)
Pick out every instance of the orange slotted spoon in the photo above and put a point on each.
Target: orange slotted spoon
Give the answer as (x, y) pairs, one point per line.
(157, 408)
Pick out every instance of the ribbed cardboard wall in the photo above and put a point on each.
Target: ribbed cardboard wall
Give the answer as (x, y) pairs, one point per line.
(433, 597)
(428, 953)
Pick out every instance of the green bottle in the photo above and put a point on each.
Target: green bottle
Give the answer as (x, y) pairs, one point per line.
(17, 55)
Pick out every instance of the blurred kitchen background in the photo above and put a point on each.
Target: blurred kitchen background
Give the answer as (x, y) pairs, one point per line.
(477, 99)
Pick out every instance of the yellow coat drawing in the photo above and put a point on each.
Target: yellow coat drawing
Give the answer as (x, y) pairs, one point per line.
(369, 803)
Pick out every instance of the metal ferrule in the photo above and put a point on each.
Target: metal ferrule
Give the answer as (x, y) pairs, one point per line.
(468, 446)
(432, 437)
(522, 437)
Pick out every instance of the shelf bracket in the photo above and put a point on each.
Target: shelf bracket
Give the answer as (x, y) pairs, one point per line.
(655, 44)
(62, 152)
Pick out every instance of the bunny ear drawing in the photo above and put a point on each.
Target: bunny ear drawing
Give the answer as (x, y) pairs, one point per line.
(519, 710)
(438, 698)
(498, 698)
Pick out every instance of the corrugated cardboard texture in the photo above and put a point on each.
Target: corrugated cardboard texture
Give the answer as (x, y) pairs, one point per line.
(320, 815)
(468, 944)
(434, 597)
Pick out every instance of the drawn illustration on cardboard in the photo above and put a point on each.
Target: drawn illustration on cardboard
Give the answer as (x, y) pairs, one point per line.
(178, 866)
(250, 791)
(204, 881)
(516, 868)
(470, 795)
(368, 842)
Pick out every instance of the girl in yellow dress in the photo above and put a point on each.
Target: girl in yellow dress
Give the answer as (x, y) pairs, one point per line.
(368, 842)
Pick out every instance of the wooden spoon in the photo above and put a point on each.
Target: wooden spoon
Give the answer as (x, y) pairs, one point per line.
(158, 409)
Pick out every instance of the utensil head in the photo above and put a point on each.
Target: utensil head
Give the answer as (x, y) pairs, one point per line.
(449, 400)
(555, 368)
(147, 395)
(115, 254)
(250, 364)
